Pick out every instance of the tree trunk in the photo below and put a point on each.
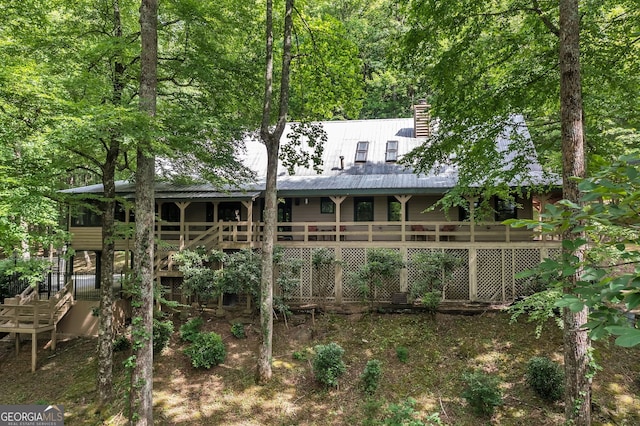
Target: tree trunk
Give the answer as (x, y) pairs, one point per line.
(105, 329)
(576, 340)
(272, 143)
(142, 375)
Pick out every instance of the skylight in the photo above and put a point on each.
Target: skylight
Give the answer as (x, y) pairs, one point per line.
(392, 151)
(361, 152)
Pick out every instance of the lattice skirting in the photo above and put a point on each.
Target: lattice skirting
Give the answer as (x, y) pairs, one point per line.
(487, 274)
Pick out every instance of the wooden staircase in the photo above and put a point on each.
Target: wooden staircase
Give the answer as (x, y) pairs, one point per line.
(26, 314)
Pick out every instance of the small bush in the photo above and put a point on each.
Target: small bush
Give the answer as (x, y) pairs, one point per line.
(546, 378)
(370, 377)
(327, 363)
(482, 393)
(121, 344)
(402, 353)
(162, 331)
(404, 414)
(207, 350)
(237, 329)
(300, 355)
(190, 329)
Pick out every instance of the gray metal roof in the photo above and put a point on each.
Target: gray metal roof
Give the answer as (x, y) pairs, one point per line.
(346, 176)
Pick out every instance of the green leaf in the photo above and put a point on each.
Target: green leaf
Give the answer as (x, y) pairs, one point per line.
(632, 300)
(630, 338)
(576, 306)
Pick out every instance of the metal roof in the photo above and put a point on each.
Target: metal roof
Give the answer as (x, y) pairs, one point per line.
(341, 174)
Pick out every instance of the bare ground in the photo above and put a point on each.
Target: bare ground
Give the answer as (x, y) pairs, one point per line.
(440, 348)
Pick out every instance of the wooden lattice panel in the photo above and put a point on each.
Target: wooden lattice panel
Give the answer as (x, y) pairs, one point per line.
(509, 280)
(458, 287)
(489, 274)
(353, 259)
(525, 259)
(323, 279)
(388, 287)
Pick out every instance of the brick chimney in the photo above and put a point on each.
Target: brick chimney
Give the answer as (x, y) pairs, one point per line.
(421, 120)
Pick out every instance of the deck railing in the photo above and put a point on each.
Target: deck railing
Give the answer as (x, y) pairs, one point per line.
(221, 233)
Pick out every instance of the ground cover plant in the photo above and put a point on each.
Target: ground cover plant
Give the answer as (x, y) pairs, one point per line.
(427, 388)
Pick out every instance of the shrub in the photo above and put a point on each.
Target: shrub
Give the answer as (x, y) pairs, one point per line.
(546, 378)
(162, 331)
(190, 329)
(207, 350)
(237, 329)
(435, 268)
(402, 353)
(299, 355)
(482, 392)
(121, 344)
(328, 364)
(370, 377)
(403, 414)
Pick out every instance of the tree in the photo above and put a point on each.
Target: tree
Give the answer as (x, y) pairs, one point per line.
(141, 397)
(271, 139)
(576, 341)
(509, 53)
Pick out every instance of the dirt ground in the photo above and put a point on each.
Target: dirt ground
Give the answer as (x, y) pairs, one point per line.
(440, 349)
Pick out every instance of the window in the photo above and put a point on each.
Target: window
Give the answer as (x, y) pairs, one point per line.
(394, 208)
(363, 209)
(361, 152)
(505, 210)
(86, 216)
(392, 151)
(327, 206)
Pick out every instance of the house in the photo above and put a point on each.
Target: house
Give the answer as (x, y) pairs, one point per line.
(361, 199)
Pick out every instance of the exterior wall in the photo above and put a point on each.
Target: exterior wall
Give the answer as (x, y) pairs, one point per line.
(80, 321)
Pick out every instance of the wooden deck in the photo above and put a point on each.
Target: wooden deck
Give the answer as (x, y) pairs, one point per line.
(24, 314)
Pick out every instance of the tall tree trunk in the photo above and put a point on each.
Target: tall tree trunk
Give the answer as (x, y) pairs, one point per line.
(105, 330)
(142, 375)
(576, 340)
(271, 139)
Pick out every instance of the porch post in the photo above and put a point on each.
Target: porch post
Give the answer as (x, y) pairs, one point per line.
(183, 228)
(403, 215)
(338, 274)
(472, 218)
(473, 274)
(249, 206)
(338, 202)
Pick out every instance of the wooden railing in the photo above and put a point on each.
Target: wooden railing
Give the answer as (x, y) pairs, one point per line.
(221, 233)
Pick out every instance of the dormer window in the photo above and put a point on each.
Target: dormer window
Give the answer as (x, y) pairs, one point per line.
(392, 152)
(361, 152)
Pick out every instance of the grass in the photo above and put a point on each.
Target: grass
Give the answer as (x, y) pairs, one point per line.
(440, 349)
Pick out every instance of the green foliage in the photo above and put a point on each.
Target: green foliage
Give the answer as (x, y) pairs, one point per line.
(162, 331)
(382, 265)
(539, 308)
(300, 355)
(608, 284)
(206, 351)
(402, 353)
(190, 329)
(546, 378)
(434, 268)
(404, 414)
(198, 275)
(322, 257)
(237, 330)
(29, 272)
(327, 364)
(370, 377)
(121, 344)
(240, 274)
(288, 279)
(482, 392)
